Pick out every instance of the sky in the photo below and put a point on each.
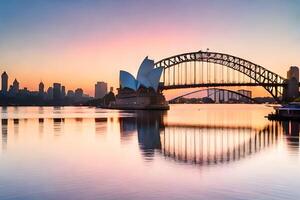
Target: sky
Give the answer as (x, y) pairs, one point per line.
(80, 42)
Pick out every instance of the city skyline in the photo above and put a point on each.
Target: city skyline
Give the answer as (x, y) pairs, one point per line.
(55, 41)
(12, 83)
(12, 87)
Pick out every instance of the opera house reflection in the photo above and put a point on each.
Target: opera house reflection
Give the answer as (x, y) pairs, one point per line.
(205, 144)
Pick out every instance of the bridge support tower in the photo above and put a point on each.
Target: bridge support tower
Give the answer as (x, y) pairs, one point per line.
(291, 91)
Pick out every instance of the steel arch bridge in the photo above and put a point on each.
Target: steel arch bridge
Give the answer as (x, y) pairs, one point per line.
(187, 70)
(222, 92)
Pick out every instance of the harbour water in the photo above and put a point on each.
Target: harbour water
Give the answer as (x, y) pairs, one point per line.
(189, 152)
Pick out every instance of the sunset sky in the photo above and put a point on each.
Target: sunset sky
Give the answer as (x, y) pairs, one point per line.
(80, 42)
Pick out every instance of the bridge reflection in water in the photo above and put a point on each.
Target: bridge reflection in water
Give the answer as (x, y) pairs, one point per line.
(205, 144)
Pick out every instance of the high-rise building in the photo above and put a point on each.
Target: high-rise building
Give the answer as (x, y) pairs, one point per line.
(293, 83)
(16, 84)
(100, 89)
(50, 93)
(41, 92)
(41, 88)
(56, 91)
(78, 93)
(293, 73)
(14, 90)
(70, 93)
(4, 81)
(63, 91)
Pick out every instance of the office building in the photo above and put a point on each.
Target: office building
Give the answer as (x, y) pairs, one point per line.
(293, 73)
(78, 93)
(293, 83)
(56, 91)
(70, 93)
(41, 88)
(4, 81)
(14, 89)
(63, 91)
(100, 89)
(50, 93)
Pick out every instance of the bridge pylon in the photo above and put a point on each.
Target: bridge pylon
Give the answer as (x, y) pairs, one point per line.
(291, 90)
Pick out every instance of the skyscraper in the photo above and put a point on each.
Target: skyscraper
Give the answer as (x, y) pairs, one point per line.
(4, 79)
(63, 91)
(293, 73)
(100, 89)
(41, 88)
(78, 93)
(70, 93)
(293, 82)
(50, 93)
(15, 88)
(56, 91)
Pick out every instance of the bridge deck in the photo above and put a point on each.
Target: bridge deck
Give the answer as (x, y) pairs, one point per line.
(167, 87)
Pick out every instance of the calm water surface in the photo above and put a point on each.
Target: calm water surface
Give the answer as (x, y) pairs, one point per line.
(189, 152)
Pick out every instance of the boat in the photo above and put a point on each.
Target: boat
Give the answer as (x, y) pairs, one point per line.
(289, 111)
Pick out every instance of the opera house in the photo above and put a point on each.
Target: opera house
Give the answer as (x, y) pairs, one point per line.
(143, 91)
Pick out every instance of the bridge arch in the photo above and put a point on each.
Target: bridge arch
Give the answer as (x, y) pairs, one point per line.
(216, 90)
(260, 76)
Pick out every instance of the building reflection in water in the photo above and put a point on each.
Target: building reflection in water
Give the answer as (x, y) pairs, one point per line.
(3, 111)
(291, 131)
(41, 110)
(128, 126)
(41, 125)
(201, 144)
(100, 125)
(16, 126)
(4, 124)
(57, 125)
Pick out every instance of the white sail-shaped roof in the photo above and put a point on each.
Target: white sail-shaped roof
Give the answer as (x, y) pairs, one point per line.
(127, 80)
(147, 76)
(154, 77)
(144, 82)
(145, 68)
